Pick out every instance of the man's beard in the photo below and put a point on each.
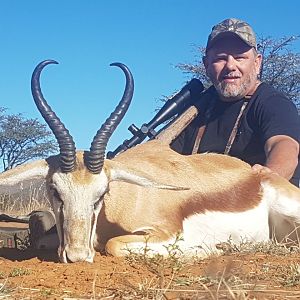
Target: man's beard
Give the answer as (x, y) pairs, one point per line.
(232, 91)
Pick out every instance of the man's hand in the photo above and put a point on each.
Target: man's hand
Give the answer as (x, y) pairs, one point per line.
(261, 169)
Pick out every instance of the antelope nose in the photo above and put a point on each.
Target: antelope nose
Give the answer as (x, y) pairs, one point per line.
(77, 254)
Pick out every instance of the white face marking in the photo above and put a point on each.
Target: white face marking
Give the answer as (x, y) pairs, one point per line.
(76, 206)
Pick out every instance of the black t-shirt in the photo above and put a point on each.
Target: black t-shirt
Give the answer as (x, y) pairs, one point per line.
(267, 114)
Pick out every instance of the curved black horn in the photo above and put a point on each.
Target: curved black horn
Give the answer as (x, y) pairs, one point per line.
(95, 157)
(63, 137)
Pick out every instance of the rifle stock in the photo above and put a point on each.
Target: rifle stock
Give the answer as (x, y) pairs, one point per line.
(171, 131)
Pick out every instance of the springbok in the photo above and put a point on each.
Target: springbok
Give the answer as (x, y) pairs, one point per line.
(149, 195)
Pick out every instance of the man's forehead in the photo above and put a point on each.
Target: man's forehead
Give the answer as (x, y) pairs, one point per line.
(229, 44)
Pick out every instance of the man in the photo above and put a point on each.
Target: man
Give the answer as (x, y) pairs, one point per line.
(239, 115)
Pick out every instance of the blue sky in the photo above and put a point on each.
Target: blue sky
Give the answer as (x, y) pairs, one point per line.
(150, 37)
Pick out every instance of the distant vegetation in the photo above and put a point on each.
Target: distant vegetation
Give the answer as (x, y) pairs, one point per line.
(22, 140)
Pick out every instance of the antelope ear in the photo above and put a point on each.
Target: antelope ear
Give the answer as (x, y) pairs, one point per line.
(23, 176)
(117, 171)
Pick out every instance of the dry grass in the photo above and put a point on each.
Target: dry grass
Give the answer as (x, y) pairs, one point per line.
(32, 198)
(173, 276)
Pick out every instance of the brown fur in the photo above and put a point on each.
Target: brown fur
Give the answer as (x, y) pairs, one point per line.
(282, 184)
(217, 183)
(81, 174)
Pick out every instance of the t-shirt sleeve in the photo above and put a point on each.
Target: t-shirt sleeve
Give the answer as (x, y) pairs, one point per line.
(277, 115)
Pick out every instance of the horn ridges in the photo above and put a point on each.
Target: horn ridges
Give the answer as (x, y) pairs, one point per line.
(95, 157)
(62, 135)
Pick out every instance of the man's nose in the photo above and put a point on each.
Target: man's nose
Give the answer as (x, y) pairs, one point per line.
(230, 63)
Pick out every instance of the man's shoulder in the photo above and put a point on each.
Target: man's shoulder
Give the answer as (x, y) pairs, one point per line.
(268, 97)
(266, 91)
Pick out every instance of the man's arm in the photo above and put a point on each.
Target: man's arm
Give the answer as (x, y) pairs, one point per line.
(282, 155)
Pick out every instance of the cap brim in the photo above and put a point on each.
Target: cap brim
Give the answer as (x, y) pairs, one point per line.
(225, 34)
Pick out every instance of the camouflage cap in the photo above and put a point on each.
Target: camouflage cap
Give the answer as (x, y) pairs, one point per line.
(232, 26)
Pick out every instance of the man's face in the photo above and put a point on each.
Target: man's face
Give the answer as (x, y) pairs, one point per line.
(233, 67)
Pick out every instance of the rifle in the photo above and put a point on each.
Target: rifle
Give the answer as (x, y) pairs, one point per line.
(181, 102)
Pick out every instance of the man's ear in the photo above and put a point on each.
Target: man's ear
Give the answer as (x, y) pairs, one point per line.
(258, 62)
(205, 63)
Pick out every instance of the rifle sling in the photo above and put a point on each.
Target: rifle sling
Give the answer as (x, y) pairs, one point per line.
(232, 134)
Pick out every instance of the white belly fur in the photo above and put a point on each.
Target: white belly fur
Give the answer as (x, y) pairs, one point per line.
(210, 228)
(201, 232)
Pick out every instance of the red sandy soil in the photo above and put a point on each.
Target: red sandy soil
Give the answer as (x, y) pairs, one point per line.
(30, 274)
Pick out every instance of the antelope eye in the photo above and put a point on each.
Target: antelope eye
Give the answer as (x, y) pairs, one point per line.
(96, 204)
(55, 194)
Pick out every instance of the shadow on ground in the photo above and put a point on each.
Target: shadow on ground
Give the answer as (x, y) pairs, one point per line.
(23, 255)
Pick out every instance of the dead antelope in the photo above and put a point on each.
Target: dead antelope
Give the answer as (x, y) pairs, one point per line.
(149, 195)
